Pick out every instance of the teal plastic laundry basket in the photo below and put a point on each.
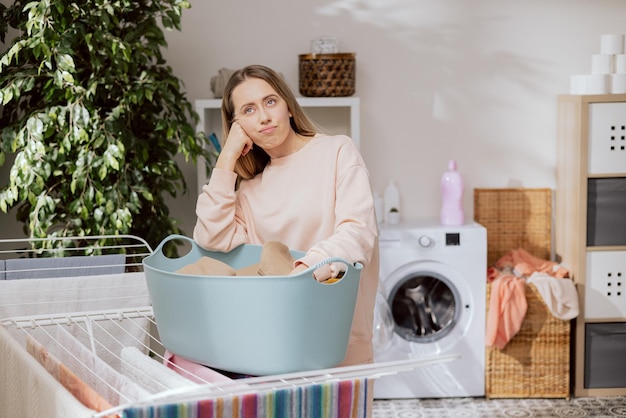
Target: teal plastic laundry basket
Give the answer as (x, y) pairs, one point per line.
(257, 325)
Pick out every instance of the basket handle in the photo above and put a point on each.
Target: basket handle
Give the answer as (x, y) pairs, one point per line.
(172, 237)
(329, 260)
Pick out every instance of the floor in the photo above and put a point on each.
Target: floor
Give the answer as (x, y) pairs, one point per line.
(500, 408)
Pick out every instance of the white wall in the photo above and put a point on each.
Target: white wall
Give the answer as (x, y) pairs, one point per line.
(471, 80)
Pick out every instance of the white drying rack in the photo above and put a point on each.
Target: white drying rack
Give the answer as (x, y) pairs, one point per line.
(71, 256)
(106, 332)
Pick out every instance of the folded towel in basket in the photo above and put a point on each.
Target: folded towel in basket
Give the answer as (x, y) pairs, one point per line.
(207, 266)
(276, 260)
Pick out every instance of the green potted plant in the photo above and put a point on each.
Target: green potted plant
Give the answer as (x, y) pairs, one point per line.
(92, 118)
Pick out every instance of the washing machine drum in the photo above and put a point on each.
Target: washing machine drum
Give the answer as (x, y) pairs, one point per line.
(425, 307)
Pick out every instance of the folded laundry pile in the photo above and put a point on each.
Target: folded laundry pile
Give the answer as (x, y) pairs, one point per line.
(507, 303)
(276, 260)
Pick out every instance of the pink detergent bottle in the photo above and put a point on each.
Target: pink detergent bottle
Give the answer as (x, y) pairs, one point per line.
(452, 196)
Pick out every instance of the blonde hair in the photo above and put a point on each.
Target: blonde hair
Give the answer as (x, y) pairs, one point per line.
(255, 161)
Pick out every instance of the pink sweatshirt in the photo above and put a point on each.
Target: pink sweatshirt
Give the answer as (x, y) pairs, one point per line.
(317, 200)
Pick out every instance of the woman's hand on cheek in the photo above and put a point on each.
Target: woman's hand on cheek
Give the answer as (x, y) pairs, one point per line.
(237, 145)
(240, 138)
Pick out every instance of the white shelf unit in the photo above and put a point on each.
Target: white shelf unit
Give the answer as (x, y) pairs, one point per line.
(591, 234)
(320, 109)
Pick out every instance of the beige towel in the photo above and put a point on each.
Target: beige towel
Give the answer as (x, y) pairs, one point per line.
(207, 266)
(251, 270)
(276, 260)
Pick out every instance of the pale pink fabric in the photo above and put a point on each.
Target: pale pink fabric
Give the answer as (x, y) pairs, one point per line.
(507, 304)
(319, 200)
(193, 371)
(507, 309)
(524, 264)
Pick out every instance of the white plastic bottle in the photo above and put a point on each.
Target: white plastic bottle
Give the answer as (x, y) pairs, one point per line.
(392, 203)
(452, 196)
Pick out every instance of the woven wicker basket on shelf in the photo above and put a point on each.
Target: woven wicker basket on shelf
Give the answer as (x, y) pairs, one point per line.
(327, 75)
(536, 362)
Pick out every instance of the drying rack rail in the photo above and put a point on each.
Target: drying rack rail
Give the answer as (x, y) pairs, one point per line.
(71, 256)
(96, 320)
(109, 332)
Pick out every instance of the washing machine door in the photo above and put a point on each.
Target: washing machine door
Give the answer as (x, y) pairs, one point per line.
(425, 305)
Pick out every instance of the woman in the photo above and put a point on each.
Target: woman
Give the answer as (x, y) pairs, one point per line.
(277, 179)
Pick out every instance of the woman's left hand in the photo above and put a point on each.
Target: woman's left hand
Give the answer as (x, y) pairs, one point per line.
(321, 274)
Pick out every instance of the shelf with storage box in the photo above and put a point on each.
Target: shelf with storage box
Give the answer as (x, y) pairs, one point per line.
(337, 115)
(591, 234)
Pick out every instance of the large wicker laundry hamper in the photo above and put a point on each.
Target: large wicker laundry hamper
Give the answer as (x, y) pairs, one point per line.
(536, 362)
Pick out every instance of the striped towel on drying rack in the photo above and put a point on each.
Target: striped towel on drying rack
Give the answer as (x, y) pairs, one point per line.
(340, 399)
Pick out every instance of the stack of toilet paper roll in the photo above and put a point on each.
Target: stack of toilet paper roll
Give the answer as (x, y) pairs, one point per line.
(608, 69)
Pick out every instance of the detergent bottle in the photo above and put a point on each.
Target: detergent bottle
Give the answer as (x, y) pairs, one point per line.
(452, 196)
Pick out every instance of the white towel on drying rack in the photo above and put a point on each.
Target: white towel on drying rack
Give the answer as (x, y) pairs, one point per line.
(28, 390)
(27, 297)
(42, 268)
(72, 294)
(115, 387)
(149, 373)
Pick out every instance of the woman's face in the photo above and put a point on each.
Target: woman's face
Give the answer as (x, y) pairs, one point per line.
(263, 115)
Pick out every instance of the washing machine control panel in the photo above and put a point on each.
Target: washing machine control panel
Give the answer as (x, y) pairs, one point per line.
(425, 241)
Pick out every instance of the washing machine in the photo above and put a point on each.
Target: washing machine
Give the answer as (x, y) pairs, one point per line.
(432, 302)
